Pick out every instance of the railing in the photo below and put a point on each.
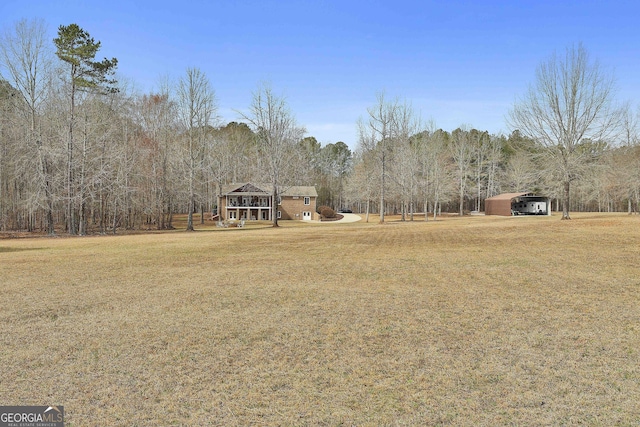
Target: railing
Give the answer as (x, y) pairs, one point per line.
(247, 205)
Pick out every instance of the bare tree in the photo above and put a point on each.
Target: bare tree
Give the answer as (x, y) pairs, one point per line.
(406, 126)
(362, 183)
(436, 168)
(376, 137)
(569, 102)
(97, 129)
(235, 160)
(495, 157)
(521, 172)
(622, 163)
(461, 150)
(196, 109)
(277, 135)
(480, 146)
(7, 113)
(156, 117)
(27, 58)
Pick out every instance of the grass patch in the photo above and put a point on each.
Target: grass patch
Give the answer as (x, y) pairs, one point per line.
(462, 321)
(12, 249)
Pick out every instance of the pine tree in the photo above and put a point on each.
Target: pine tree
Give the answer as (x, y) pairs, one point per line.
(78, 50)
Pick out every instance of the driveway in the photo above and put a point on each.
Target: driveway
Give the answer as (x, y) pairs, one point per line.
(346, 217)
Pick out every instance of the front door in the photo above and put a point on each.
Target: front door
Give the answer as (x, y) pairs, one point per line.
(306, 216)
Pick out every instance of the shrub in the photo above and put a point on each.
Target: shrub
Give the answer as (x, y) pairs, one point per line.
(326, 212)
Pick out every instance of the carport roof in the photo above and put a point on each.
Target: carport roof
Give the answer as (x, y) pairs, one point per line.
(509, 196)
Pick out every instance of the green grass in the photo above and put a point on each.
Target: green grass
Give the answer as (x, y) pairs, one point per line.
(462, 321)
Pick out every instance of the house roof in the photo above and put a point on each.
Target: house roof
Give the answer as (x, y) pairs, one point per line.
(300, 191)
(261, 189)
(247, 189)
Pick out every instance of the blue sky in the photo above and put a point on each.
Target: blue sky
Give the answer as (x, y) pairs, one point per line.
(457, 62)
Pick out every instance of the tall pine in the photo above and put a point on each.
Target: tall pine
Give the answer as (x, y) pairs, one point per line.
(78, 50)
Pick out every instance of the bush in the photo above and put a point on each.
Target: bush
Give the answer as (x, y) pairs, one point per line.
(326, 212)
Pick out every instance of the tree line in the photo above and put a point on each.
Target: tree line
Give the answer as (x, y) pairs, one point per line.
(436, 171)
(80, 152)
(572, 142)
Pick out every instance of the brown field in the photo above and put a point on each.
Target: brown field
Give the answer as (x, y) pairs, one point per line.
(463, 321)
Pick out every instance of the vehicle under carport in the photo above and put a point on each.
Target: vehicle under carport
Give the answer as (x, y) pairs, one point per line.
(509, 204)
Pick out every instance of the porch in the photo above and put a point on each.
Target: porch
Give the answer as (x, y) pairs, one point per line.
(248, 213)
(248, 207)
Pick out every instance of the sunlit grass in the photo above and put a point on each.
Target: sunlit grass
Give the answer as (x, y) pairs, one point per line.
(462, 321)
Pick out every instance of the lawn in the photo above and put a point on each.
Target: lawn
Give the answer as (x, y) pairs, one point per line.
(462, 321)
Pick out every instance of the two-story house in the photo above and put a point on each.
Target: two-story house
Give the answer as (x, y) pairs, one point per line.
(251, 201)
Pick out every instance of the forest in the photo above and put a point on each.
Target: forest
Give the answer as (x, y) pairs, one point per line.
(80, 152)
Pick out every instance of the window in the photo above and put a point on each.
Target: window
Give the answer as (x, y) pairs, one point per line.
(233, 215)
(279, 214)
(279, 200)
(307, 200)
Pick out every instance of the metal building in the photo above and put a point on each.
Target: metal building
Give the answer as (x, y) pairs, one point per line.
(509, 204)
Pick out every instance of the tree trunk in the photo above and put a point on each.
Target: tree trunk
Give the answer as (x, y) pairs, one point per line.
(71, 223)
(461, 209)
(565, 200)
(115, 216)
(48, 195)
(191, 194)
(83, 219)
(274, 207)
(82, 222)
(190, 215)
(426, 210)
(367, 213)
(382, 190)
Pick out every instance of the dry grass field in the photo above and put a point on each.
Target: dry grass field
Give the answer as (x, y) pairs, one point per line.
(464, 321)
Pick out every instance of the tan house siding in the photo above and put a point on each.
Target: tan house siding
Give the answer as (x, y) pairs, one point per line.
(293, 207)
(252, 201)
(244, 201)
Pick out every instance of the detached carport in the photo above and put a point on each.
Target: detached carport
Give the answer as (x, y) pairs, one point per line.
(509, 204)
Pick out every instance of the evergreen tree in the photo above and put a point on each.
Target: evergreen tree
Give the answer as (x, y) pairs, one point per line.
(78, 50)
